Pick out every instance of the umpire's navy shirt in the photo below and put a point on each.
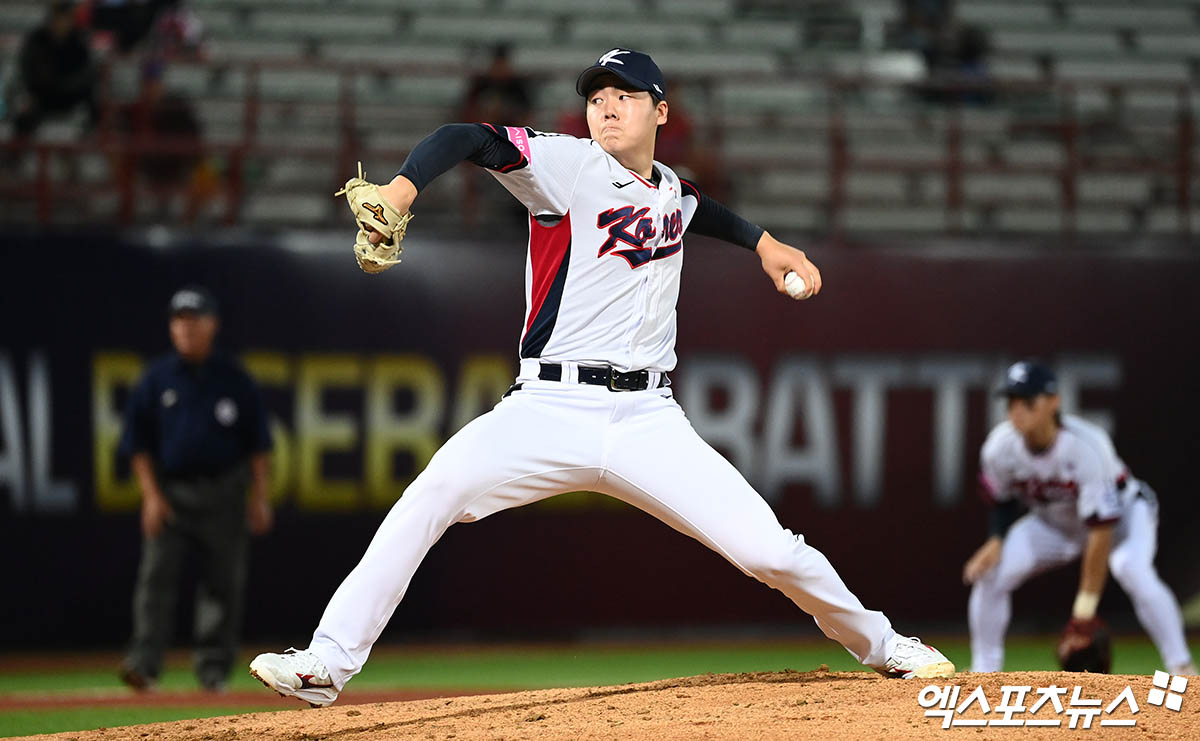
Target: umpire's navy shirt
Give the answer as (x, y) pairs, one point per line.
(195, 420)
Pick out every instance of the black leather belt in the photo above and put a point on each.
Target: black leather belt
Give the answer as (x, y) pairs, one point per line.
(606, 376)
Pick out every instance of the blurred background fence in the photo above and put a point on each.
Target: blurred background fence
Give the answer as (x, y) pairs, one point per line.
(859, 417)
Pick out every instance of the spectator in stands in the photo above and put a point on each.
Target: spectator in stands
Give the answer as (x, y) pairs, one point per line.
(55, 71)
(128, 21)
(178, 34)
(499, 95)
(674, 142)
(572, 121)
(955, 54)
(971, 50)
(925, 26)
(159, 117)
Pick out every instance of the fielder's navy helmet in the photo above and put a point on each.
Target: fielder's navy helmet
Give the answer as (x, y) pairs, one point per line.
(1026, 379)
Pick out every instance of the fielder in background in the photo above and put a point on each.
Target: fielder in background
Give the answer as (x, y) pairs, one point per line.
(1082, 502)
(592, 408)
(196, 436)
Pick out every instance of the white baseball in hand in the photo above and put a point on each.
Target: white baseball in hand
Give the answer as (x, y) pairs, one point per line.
(795, 286)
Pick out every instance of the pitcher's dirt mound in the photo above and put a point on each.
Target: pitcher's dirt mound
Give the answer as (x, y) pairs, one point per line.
(784, 705)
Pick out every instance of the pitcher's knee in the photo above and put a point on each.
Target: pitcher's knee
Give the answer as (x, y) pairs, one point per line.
(786, 560)
(427, 500)
(767, 570)
(449, 485)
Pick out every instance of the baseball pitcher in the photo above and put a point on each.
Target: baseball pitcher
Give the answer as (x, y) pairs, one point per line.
(592, 407)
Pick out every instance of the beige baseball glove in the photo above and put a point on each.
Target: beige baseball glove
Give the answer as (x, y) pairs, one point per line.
(371, 211)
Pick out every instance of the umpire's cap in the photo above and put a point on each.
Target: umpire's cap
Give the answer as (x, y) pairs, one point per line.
(1026, 379)
(195, 300)
(635, 68)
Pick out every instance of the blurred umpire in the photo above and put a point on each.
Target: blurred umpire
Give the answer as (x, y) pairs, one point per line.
(197, 439)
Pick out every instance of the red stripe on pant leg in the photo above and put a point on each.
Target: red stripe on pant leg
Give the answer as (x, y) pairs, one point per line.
(547, 246)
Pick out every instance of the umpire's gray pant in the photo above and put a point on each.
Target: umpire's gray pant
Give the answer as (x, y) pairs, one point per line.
(209, 530)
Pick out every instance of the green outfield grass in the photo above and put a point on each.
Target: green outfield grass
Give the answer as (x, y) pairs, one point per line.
(500, 668)
(28, 722)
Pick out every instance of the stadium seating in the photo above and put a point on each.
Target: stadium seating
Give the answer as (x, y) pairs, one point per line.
(754, 75)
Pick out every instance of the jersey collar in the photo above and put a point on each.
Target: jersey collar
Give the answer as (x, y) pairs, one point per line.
(653, 182)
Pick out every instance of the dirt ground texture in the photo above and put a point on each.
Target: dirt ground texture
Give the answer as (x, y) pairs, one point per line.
(778, 705)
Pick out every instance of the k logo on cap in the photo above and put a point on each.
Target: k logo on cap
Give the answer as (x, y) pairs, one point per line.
(610, 57)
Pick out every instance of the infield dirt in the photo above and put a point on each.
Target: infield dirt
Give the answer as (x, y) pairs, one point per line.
(778, 705)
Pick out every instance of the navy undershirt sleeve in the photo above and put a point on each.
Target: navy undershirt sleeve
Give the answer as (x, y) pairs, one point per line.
(1002, 516)
(712, 219)
(454, 143)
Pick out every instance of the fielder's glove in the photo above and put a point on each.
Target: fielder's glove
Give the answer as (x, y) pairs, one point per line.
(371, 211)
(1085, 647)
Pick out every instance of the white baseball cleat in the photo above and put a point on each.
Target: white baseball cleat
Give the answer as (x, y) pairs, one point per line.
(912, 659)
(298, 674)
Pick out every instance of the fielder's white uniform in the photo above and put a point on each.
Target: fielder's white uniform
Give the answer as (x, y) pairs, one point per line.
(1079, 482)
(602, 280)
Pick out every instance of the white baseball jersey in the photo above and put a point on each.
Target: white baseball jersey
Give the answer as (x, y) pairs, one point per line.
(1078, 481)
(605, 253)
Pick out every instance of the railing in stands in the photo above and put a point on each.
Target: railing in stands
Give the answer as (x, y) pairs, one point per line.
(1063, 124)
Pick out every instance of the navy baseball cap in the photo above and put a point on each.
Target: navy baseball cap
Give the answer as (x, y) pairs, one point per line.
(1027, 379)
(192, 300)
(638, 70)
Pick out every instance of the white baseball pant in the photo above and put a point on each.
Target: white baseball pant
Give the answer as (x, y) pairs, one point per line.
(554, 437)
(1032, 547)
